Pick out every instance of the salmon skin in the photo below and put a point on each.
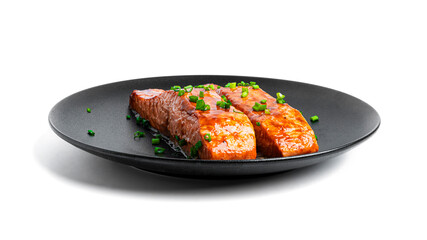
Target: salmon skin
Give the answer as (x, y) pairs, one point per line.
(282, 133)
(218, 134)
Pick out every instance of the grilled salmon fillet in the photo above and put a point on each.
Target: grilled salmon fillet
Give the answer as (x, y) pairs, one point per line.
(284, 132)
(231, 134)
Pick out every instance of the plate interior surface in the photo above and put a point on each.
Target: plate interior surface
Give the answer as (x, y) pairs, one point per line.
(344, 121)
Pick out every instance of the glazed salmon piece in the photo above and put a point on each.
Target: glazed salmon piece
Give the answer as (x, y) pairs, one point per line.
(231, 134)
(284, 132)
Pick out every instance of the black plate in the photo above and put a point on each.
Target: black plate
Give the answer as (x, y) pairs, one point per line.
(344, 121)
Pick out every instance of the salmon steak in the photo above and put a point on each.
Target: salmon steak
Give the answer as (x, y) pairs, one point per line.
(280, 130)
(191, 118)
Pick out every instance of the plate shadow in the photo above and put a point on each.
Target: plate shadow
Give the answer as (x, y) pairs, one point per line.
(70, 163)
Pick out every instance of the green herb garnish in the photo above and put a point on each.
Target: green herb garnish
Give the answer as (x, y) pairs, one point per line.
(207, 137)
(188, 88)
(91, 133)
(194, 150)
(181, 92)
(138, 120)
(144, 122)
(314, 118)
(138, 134)
(259, 107)
(155, 141)
(200, 104)
(193, 98)
(176, 88)
(159, 150)
(88, 110)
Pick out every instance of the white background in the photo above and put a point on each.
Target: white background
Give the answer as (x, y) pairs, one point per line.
(373, 50)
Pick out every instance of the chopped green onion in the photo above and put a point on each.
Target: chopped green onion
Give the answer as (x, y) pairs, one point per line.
(245, 89)
(159, 150)
(232, 85)
(252, 83)
(200, 104)
(127, 117)
(211, 86)
(138, 120)
(218, 103)
(193, 98)
(281, 101)
(263, 101)
(259, 107)
(182, 142)
(88, 110)
(241, 83)
(227, 105)
(144, 122)
(207, 107)
(195, 149)
(206, 88)
(258, 123)
(176, 137)
(201, 94)
(156, 135)
(267, 111)
(218, 87)
(244, 94)
(315, 136)
(155, 141)
(224, 98)
(255, 86)
(222, 104)
(207, 137)
(188, 88)
(176, 88)
(138, 134)
(91, 133)
(227, 85)
(199, 86)
(237, 111)
(314, 118)
(280, 96)
(181, 92)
